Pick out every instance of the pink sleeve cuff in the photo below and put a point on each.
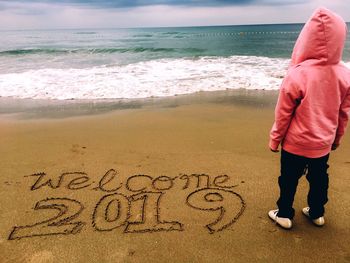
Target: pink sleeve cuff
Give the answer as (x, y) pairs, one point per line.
(337, 139)
(274, 144)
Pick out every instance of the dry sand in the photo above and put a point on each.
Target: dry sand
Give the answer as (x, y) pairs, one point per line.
(100, 156)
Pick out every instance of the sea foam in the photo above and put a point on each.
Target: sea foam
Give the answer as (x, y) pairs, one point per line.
(154, 78)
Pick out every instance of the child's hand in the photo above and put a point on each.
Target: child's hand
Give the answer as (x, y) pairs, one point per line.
(275, 151)
(334, 146)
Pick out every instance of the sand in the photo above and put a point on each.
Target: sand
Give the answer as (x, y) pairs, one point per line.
(184, 179)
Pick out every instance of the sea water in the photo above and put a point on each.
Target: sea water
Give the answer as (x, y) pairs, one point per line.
(144, 62)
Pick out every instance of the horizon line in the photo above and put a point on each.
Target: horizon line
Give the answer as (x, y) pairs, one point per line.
(153, 27)
(149, 27)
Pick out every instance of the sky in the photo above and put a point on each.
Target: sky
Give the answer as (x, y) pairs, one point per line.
(53, 14)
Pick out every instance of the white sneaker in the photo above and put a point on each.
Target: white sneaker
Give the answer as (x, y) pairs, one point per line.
(282, 221)
(318, 221)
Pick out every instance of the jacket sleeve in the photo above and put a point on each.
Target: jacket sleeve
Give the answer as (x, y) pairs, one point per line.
(288, 99)
(344, 112)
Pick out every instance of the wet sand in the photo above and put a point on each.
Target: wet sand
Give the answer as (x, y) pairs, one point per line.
(183, 179)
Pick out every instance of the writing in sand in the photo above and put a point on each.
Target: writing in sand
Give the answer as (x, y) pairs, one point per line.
(134, 205)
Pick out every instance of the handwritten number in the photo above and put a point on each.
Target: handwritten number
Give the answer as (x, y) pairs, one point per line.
(61, 224)
(213, 199)
(110, 212)
(150, 215)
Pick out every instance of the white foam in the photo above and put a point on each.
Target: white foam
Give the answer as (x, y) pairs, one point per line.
(157, 78)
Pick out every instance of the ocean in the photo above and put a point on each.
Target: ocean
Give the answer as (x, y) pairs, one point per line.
(144, 62)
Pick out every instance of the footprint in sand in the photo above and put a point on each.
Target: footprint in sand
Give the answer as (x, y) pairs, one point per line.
(11, 183)
(77, 149)
(121, 255)
(41, 257)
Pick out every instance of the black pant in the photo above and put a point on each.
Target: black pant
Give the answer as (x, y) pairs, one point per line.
(292, 168)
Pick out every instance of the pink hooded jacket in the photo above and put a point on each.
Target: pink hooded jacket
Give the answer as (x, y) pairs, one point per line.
(314, 101)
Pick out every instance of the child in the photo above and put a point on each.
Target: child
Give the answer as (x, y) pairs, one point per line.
(311, 114)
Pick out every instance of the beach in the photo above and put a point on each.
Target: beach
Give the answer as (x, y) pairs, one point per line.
(180, 179)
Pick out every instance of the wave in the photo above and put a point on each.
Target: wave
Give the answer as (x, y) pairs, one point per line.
(50, 51)
(33, 51)
(155, 78)
(86, 33)
(144, 35)
(172, 33)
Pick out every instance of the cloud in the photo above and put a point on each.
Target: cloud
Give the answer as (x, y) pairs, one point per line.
(44, 14)
(139, 3)
(21, 8)
(42, 7)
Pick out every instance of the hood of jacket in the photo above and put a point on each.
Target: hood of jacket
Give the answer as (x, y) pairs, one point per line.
(322, 38)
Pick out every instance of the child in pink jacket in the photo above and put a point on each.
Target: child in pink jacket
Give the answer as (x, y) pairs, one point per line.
(311, 114)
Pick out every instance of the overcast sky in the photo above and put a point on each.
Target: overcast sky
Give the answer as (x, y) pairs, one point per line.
(42, 14)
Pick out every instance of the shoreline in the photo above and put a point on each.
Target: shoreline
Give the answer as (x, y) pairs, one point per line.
(56, 109)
